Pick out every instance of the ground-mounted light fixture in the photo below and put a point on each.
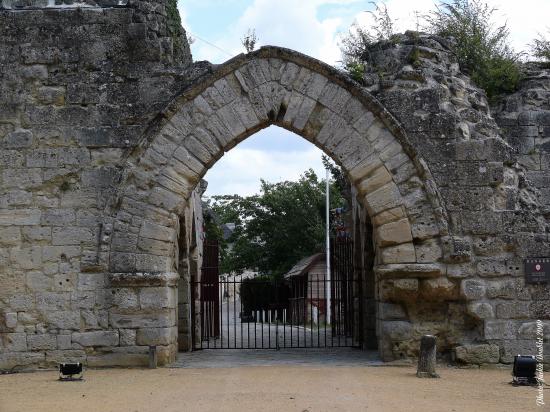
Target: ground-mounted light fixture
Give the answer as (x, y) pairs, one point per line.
(525, 368)
(70, 372)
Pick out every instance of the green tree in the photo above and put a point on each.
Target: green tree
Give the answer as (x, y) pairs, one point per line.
(276, 228)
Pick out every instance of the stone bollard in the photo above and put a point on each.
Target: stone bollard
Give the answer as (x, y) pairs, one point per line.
(152, 357)
(427, 358)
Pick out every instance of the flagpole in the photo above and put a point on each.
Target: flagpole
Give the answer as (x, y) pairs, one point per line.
(328, 285)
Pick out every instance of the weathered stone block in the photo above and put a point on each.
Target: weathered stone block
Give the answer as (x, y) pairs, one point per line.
(155, 247)
(17, 361)
(500, 329)
(64, 342)
(480, 310)
(14, 342)
(388, 216)
(96, 338)
(59, 254)
(152, 263)
(94, 319)
(540, 309)
(91, 281)
(10, 236)
(127, 337)
(39, 282)
(156, 336)
(36, 233)
(492, 268)
(73, 236)
(53, 301)
(504, 289)
(386, 197)
(157, 298)
(472, 289)
(162, 319)
(413, 270)
(42, 342)
(398, 290)
(394, 233)
(18, 139)
(10, 320)
(124, 298)
(21, 302)
(428, 251)
(513, 310)
(154, 231)
(117, 359)
(20, 217)
(374, 181)
(63, 319)
(123, 262)
(404, 253)
(51, 95)
(391, 311)
(438, 289)
(27, 257)
(477, 354)
(397, 330)
(481, 223)
(456, 249)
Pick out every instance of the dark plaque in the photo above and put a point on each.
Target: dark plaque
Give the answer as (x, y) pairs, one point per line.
(537, 270)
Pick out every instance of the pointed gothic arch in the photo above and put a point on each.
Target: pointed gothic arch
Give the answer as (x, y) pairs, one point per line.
(276, 86)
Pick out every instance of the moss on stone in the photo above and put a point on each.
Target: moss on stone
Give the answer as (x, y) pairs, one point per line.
(174, 25)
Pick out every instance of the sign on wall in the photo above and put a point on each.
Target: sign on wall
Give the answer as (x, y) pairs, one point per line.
(537, 270)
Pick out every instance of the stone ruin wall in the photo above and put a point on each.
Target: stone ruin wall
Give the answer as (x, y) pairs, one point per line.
(491, 168)
(80, 85)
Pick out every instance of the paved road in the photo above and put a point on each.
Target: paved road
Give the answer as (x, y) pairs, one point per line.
(235, 334)
(231, 358)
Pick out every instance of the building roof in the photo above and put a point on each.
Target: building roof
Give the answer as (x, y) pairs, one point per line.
(304, 264)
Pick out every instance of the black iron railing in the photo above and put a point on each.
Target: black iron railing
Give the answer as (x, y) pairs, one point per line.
(245, 312)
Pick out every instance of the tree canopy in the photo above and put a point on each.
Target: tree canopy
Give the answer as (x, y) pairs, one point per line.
(273, 229)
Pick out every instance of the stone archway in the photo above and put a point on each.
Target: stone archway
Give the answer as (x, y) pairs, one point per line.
(272, 86)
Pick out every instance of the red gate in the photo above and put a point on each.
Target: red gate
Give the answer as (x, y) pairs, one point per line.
(209, 290)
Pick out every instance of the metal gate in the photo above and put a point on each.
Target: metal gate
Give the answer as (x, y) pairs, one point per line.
(258, 312)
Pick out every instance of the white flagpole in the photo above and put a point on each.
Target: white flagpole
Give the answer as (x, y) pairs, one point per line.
(328, 249)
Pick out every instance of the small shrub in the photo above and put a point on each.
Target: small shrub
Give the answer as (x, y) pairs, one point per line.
(356, 45)
(356, 70)
(483, 50)
(540, 48)
(249, 40)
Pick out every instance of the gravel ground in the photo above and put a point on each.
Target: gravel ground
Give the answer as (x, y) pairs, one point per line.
(268, 388)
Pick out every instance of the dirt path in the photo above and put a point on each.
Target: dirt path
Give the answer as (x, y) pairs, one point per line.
(273, 388)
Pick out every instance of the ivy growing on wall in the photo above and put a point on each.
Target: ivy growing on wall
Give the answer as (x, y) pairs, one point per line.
(174, 25)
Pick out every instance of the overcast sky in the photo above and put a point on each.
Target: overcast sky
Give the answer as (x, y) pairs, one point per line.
(313, 27)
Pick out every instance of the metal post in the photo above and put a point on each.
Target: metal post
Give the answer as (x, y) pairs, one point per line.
(152, 357)
(328, 247)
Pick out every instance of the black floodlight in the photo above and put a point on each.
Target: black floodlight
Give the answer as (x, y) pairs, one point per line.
(525, 368)
(68, 371)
